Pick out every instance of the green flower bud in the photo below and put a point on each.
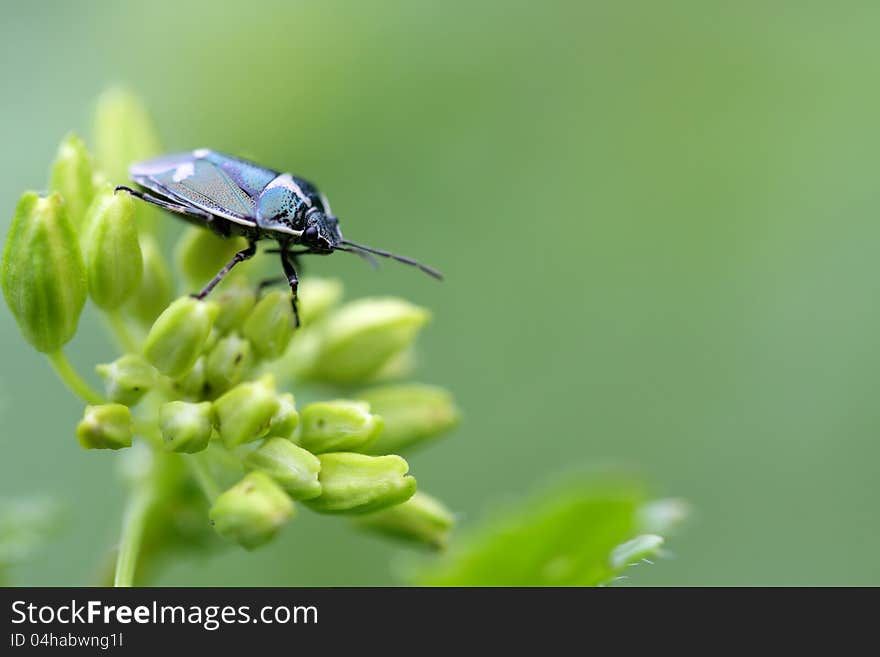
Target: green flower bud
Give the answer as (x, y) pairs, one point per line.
(191, 386)
(107, 426)
(251, 512)
(316, 296)
(337, 426)
(355, 483)
(245, 413)
(421, 519)
(286, 420)
(179, 335)
(156, 288)
(412, 413)
(111, 249)
(292, 467)
(72, 177)
(361, 337)
(200, 254)
(227, 363)
(270, 326)
(99, 179)
(124, 133)
(43, 276)
(127, 379)
(185, 427)
(399, 367)
(213, 339)
(236, 304)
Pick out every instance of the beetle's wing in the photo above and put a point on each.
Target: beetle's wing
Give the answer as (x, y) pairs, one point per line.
(250, 177)
(202, 179)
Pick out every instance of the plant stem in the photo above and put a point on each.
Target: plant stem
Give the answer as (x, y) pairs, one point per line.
(149, 431)
(133, 524)
(203, 477)
(72, 379)
(122, 332)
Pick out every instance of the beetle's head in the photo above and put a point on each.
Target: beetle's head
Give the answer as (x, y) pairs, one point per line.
(322, 232)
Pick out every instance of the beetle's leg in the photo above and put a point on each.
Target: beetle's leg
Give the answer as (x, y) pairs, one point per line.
(293, 281)
(178, 208)
(241, 256)
(277, 280)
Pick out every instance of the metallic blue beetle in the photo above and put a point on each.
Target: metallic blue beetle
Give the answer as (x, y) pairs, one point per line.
(234, 197)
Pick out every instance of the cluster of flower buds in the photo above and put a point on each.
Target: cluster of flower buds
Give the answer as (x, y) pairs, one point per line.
(208, 382)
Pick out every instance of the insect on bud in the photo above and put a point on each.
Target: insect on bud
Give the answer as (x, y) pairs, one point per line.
(178, 335)
(43, 276)
(72, 176)
(236, 303)
(227, 362)
(106, 426)
(292, 467)
(361, 337)
(412, 413)
(245, 413)
(185, 427)
(355, 483)
(270, 325)
(200, 254)
(336, 426)
(421, 519)
(127, 379)
(111, 249)
(316, 297)
(251, 512)
(286, 420)
(155, 291)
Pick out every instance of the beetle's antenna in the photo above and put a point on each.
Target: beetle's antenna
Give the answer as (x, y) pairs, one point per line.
(387, 254)
(363, 254)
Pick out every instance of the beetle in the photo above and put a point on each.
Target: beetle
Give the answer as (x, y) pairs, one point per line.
(235, 197)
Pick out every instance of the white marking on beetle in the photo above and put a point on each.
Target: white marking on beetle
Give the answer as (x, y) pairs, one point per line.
(201, 152)
(183, 171)
(285, 180)
(281, 228)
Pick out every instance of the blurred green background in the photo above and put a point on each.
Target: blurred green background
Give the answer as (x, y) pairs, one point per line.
(658, 222)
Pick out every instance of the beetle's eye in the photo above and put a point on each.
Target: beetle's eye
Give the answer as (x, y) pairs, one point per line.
(310, 234)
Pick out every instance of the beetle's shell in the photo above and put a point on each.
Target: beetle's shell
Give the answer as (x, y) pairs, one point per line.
(220, 184)
(257, 201)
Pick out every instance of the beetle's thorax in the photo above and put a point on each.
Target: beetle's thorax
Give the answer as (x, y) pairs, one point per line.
(282, 207)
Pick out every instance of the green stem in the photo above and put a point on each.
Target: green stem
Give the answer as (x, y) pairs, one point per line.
(122, 332)
(149, 431)
(133, 525)
(203, 477)
(73, 380)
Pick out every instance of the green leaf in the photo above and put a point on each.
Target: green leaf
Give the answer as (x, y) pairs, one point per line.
(578, 536)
